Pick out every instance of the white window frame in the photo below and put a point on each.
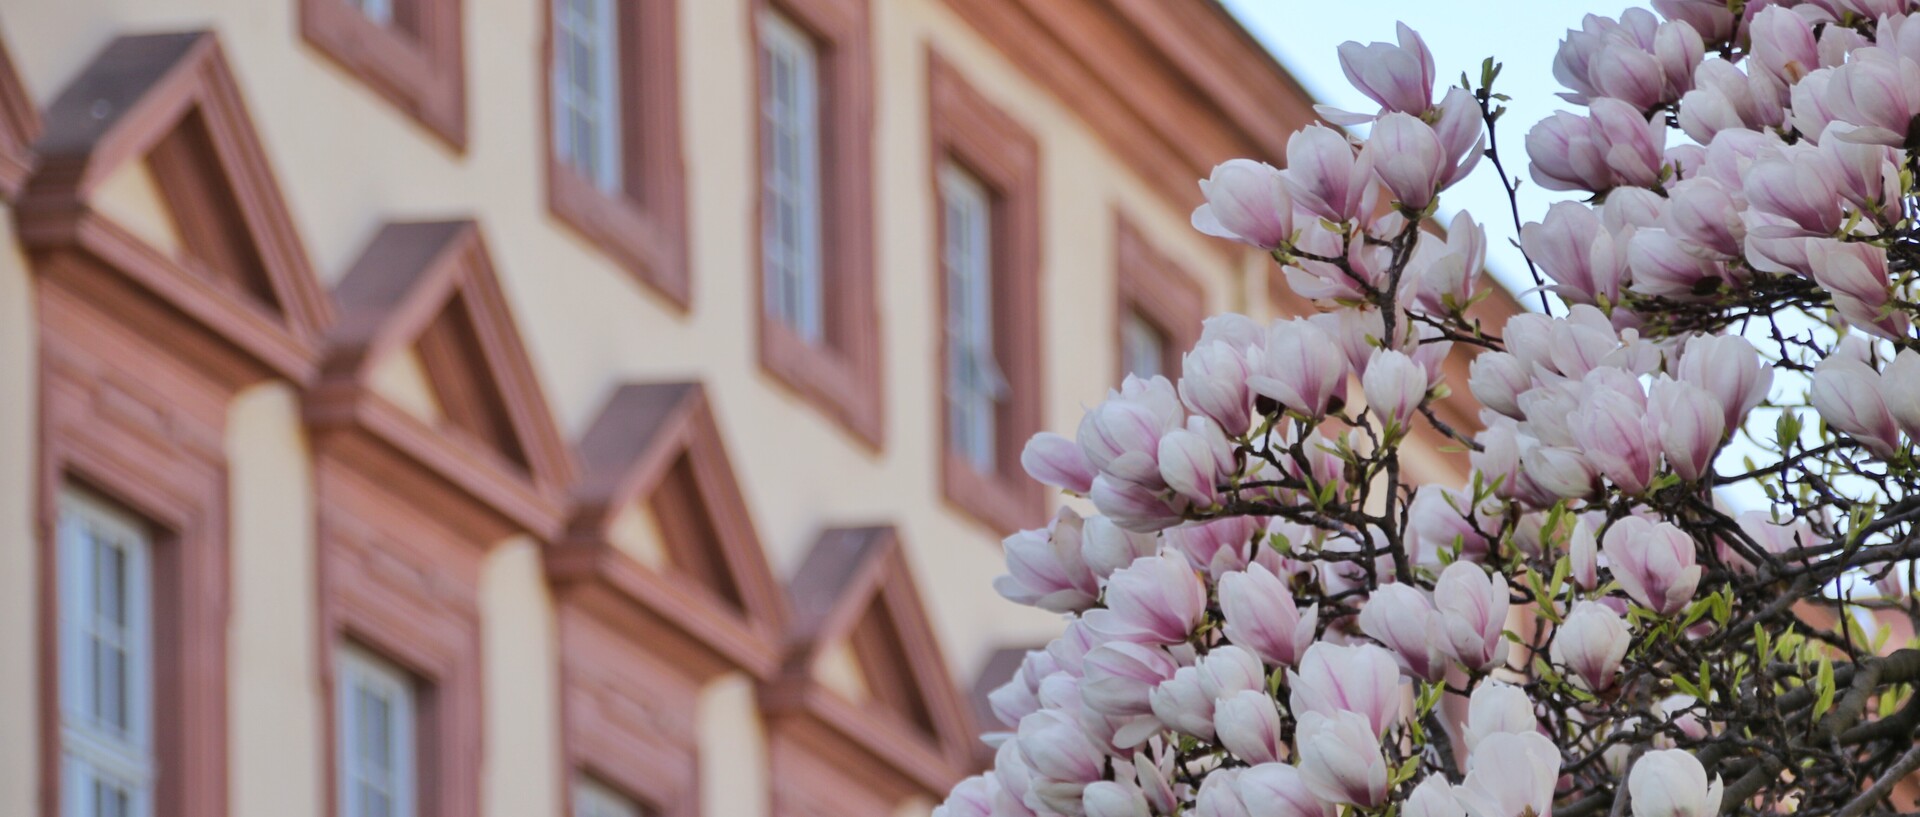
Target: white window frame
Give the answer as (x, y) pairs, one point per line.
(1140, 339)
(355, 670)
(97, 755)
(791, 237)
(380, 12)
(592, 798)
(975, 386)
(579, 113)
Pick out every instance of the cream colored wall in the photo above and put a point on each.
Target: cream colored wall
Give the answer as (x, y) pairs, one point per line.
(520, 765)
(276, 740)
(19, 722)
(347, 161)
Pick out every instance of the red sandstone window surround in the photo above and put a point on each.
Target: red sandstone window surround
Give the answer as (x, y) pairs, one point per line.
(629, 199)
(1156, 305)
(817, 118)
(408, 51)
(981, 155)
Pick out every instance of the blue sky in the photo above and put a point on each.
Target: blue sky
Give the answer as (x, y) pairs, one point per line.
(1523, 34)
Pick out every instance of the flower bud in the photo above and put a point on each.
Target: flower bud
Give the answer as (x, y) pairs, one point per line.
(1729, 368)
(1055, 460)
(1106, 547)
(1689, 423)
(1395, 387)
(1857, 276)
(1402, 618)
(1510, 774)
(1408, 158)
(1180, 704)
(1340, 759)
(1219, 795)
(1846, 393)
(1107, 798)
(1335, 678)
(1879, 91)
(1572, 249)
(1612, 436)
(1118, 676)
(1247, 723)
(1195, 460)
(1058, 749)
(1473, 615)
(1900, 390)
(1155, 600)
(1590, 645)
(1045, 569)
(1497, 380)
(972, 797)
(1261, 616)
(1279, 790)
(1324, 175)
(1583, 556)
(1121, 436)
(1654, 563)
(1498, 708)
(1213, 384)
(1783, 45)
(1433, 798)
(1672, 783)
(1133, 506)
(1246, 202)
(1301, 368)
(1399, 77)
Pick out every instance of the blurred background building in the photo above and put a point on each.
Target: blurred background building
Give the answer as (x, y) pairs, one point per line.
(429, 408)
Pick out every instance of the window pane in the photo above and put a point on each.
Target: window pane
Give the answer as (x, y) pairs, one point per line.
(107, 759)
(379, 11)
(586, 93)
(975, 386)
(594, 799)
(375, 734)
(1143, 348)
(790, 235)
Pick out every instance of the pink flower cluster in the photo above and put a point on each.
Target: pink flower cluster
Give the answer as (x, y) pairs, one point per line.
(1264, 620)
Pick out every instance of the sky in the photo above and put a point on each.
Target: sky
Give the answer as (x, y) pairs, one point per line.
(1523, 34)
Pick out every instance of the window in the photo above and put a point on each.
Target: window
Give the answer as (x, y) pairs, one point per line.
(790, 148)
(379, 11)
(975, 386)
(407, 51)
(1143, 347)
(985, 210)
(106, 700)
(591, 798)
(614, 175)
(1159, 308)
(586, 91)
(375, 734)
(818, 329)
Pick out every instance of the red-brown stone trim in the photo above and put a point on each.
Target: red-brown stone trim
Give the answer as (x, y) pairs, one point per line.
(644, 228)
(628, 714)
(19, 126)
(129, 103)
(1000, 668)
(629, 452)
(128, 416)
(407, 277)
(416, 62)
(1154, 287)
(1172, 86)
(852, 574)
(970, 131)
(842, 374)
(398, 582)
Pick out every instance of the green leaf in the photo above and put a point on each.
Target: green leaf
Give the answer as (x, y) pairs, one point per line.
(1823, 685)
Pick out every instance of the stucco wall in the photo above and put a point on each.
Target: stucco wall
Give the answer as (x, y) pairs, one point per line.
(347, 161)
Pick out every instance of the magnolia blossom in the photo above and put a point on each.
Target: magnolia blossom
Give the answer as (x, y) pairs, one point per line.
(1590, 645)
(1672, 783)
(1700, 424)
(1654, 563)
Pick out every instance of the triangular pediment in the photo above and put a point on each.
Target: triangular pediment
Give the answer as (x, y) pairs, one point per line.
(657, 482)
(150, 163)
(427, 355)
(19, 126)
(860, 629)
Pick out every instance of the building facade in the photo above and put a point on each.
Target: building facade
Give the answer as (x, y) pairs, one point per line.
(596, 407)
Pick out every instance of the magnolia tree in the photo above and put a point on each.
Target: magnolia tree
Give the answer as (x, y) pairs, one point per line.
(1694, 499)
